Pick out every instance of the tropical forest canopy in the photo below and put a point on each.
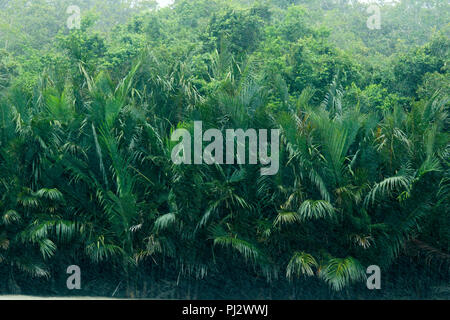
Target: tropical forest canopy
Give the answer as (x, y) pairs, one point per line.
(86, 176)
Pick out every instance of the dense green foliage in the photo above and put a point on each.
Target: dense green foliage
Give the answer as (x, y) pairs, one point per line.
(86, 176)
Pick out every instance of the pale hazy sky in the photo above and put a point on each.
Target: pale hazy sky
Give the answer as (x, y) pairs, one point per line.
(164, 3)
